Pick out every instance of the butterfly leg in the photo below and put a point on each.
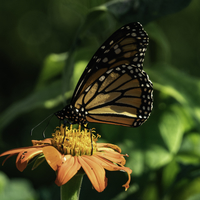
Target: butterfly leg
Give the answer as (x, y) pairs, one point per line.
(86, 127)
(65, 121)
(91, 141)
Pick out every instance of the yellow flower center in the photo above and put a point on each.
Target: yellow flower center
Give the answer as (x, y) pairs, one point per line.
(74, 141)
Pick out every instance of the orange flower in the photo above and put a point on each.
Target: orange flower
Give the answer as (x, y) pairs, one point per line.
(69, 151)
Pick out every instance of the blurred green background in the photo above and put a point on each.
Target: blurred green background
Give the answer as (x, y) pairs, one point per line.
(45, 46)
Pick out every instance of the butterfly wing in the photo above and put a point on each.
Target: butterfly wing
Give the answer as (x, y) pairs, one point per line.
(121, 96)
(126, 46)
(114, 89)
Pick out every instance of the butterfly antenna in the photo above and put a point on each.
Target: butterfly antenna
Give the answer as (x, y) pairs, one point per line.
(41, 123)
(43, 133)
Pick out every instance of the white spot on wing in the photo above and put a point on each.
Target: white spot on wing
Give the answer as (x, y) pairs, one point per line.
(117, 51)
(105, 59)
(102, 78)
(109, 71)
(116, 46)
(134, 34)
(87, 89)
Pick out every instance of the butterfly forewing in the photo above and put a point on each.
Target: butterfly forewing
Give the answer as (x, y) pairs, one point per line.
(126, 46)
(114, 88)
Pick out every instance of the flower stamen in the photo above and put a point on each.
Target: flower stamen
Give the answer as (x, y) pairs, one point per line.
(75, 142)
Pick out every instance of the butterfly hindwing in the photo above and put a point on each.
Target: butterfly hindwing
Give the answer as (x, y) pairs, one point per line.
(121, 96)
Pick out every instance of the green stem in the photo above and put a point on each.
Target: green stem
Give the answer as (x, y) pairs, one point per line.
(71, 189)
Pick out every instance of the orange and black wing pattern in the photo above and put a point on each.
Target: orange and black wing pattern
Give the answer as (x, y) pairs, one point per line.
(114, 88)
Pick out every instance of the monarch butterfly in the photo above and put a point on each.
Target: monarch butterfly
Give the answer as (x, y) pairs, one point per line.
(114, 88)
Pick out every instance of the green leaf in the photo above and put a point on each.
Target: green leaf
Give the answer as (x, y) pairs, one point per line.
(47, 97)
(4, 181)
(144, 11)
(190, 149)
(186, 190)
(39, 160)
(157, 156)
(182, 87)
(194, 197)
(16, 189)
(159, 44)
(171, 130)
(77, 6)
(169, 173)
(145, 148)
(53, 66)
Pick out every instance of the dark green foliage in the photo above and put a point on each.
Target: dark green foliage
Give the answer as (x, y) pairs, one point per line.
(45, 46)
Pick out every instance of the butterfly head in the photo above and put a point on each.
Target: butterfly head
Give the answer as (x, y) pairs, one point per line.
(74, 115)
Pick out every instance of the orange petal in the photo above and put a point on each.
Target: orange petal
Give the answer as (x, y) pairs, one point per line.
(108, 146)
(94, 171)
(106, 163)
(15, 151)
(42, 142)
(53, 157)
(24, 157)
(67, 170)
(109, 165)
(128, 171)
(7, 158)
(112, 156)
(112, 167)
